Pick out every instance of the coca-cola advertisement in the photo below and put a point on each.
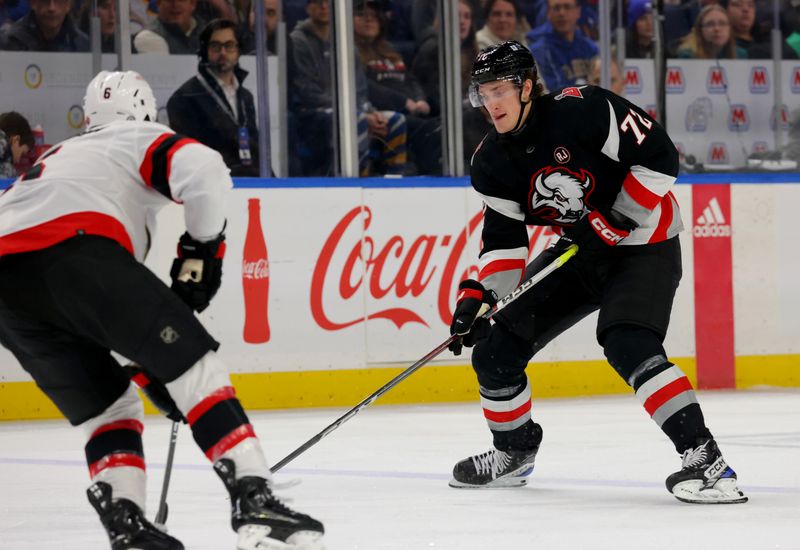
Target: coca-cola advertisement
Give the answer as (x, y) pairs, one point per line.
(350, 278)
(255, 278)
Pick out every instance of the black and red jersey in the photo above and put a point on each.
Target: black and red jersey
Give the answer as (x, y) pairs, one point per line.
(581, 149)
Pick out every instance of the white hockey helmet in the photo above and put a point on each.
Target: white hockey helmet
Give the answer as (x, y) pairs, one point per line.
(118, 95)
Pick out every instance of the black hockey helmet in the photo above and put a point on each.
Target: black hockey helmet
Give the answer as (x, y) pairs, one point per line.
(510, 61)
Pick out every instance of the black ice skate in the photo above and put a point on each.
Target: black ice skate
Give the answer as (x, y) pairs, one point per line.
(705, 477)
(494, 468)
(125, 523)
(262, 521)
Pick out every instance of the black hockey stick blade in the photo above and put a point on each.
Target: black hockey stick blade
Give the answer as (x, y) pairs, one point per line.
(516, 293)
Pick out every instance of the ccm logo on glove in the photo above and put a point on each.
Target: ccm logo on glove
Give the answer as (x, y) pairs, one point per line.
(606, 232)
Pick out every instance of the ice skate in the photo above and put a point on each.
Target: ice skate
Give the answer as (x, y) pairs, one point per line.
(705, 477)
(261, 520)
(494, 468)
(126, 525)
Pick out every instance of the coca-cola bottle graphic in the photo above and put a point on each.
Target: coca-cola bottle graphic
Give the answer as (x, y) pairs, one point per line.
(255, 278)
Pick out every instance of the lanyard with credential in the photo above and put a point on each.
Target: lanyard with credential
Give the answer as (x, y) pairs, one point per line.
(224, 105)
(243, 134)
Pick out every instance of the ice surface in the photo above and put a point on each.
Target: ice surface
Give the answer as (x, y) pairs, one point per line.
(379, 482)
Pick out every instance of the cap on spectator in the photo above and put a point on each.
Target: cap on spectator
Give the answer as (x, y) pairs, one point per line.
(636, 9)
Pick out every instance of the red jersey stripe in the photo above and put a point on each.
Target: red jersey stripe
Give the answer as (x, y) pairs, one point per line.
(116, 461)
(217, 396)
(508, 416)
(501, 265)
(666, 393)
(664, 221)
(62, 228)
(230, 441)
(639, 193)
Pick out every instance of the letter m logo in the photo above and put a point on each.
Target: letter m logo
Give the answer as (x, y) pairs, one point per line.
(738, 120)
(759, 80)
(633, 80)
(718, 153)
(717, 81)
(676, 83)
(795, 80)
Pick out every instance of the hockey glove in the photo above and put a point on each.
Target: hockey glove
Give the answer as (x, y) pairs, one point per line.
(155, 391)
(197, 271)
(473, 302)
(595, 236)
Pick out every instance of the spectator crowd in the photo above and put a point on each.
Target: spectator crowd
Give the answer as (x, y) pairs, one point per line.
(397, 61)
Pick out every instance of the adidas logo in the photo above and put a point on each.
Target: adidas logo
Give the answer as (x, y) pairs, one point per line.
(711, 223)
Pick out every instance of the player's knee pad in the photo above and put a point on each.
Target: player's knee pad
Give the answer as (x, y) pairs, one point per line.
(500, 360)
(632, 349)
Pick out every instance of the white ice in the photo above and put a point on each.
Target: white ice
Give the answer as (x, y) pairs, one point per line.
(379, 482)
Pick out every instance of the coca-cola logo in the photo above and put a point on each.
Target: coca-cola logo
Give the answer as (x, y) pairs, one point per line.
(258, 269)
(401, 267)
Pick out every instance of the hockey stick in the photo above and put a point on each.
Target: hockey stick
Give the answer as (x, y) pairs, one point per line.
(516, 293)
(163, 509)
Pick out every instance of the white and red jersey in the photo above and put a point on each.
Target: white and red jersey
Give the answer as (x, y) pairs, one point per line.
(111, 181)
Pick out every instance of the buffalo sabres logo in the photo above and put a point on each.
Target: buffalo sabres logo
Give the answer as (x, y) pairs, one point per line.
(559, 194)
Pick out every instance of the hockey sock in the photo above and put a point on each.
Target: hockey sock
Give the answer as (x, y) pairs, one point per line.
(219, 424)
(114, 449)
(508, 414)
(668, 397)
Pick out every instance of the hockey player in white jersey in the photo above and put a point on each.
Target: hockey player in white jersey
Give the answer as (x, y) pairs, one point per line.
(73, 233)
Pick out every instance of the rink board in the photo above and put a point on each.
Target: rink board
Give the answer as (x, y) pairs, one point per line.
(362, 282)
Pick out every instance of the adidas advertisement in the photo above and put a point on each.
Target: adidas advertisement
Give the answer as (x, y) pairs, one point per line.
(711, 222)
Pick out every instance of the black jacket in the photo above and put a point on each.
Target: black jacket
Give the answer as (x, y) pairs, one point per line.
(193, 112)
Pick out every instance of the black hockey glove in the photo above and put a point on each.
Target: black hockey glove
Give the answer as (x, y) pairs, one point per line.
(473, 302)
(155, 391)
(595, 236)
(197, 271)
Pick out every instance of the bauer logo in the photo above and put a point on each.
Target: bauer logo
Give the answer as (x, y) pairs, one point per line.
(738, 118)
(795, 80)
(759, 80)
(717, 80)
(718, 153)
(675, 81)
(712, 222)
(633, 80)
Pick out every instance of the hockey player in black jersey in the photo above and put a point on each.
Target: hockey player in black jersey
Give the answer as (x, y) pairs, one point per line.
(598, 170)
(73, 233)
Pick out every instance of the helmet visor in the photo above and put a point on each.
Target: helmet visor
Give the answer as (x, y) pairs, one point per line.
(482, 93)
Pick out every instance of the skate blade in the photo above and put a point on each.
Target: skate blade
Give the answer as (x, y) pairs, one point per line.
(724, 491)
(256, 537)
(512, 479)
(502, 483)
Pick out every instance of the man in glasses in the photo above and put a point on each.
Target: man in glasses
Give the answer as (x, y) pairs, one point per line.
(599, 171)
(214, 107)
(48, 27)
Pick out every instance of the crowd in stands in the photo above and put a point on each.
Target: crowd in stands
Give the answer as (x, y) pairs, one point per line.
(397, 61)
